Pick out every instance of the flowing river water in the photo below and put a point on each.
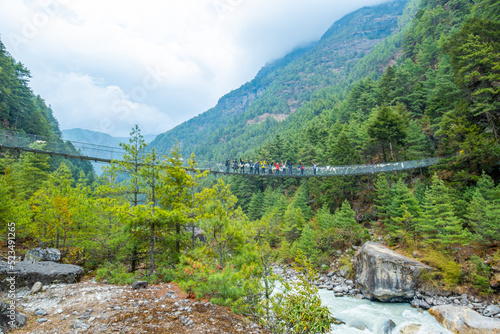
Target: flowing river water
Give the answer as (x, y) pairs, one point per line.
(372, 315)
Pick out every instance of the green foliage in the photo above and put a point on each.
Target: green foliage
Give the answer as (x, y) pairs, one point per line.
(387, 127)
(481, 275)
(115, 273)
(448, 269)
(307, 244)
(298, 308)
(438, 224)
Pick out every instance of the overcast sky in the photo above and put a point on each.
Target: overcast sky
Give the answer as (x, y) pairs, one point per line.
(106, 65)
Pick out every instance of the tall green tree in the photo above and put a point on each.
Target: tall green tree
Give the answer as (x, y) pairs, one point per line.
(474, 51)
(387, 127)
(438, 224)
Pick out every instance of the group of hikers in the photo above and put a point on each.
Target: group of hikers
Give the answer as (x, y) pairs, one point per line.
(260, 167)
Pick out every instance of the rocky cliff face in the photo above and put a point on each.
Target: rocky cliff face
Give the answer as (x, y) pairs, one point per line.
(385, 275)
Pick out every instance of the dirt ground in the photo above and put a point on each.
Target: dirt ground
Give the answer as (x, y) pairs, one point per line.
(90, 307)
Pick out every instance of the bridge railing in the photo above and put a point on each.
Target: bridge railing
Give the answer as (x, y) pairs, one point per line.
(35, 142)
(329, 170)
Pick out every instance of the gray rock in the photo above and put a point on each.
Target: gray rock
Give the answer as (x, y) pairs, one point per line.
(40, 254)
(343, 271)
(9, 317)
(139, 285)
(338, 289)
(28, 273)
(495, 281)
(42, 320)
(463, 320)
(40, 312)
(80, 324)
(388, 327)
(358, 324)
(385, 275)
(418, 329)
(491, 310)
(37, 287)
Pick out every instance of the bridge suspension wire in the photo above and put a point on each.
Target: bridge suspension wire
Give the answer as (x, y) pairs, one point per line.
(109, 154)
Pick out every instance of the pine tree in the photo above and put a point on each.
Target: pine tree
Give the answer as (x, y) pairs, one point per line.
(418, 145)
(387, 127)
(324, 218)
(301, 200)
(34, 170)
(223, 222)
(307, 243)
(383, 198)
(403, 201)
(255, 206)
(294, 223)
(438, 224)
(176, 196)
(342, 152)
(484, 218)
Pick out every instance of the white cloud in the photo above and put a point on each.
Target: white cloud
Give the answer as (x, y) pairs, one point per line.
(102, 108)
(202, 48)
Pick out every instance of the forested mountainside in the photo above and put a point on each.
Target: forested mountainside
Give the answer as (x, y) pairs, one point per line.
(20, 109)
(24, 112)
(248, 116)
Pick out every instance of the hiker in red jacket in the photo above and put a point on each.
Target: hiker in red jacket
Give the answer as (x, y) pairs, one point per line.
(277, 168)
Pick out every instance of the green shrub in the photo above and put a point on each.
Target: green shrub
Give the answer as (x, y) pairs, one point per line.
(115, 273)
(448, 269)
(298, 308)
(480, 276)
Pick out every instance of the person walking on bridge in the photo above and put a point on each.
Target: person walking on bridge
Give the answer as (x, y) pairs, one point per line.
(290, 167)
(235, 165)
(301, 167)
(257, 167)
(278, 165)
(263, 166)
(228, 165)
(242, 166)
(314, 167)
(251, 167)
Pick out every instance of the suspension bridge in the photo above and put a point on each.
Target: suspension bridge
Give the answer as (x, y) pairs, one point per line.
(107, 154)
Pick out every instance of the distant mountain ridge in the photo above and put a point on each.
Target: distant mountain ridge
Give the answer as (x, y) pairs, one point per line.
(250, 115)
(98, 138)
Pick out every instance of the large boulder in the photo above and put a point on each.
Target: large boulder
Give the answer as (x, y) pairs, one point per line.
(10, 317)
(385, 275)
(463, 320)
(43, 254)
(28, 273)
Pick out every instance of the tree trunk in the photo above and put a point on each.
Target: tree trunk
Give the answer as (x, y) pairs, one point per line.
(152, 251)
(392, 153)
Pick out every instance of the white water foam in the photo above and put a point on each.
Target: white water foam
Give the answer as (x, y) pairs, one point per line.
(372, 315)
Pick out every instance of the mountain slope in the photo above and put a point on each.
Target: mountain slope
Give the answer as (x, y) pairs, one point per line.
(98, 138)
(246, 117)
